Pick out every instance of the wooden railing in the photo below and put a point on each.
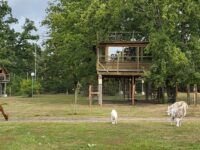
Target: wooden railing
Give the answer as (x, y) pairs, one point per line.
(122, 36)
(124, 64)
(4, 77)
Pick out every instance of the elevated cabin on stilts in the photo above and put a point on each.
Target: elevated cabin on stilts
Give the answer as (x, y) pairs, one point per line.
(4, 79)
(123, 59)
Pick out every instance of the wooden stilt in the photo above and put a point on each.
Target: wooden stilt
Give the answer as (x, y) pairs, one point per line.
(133, 91)
(188, 94)
(195, 94)
(124, 89)
(100, 89)
(90, 95)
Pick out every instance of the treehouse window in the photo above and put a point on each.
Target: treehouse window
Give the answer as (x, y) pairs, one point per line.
(122, 54)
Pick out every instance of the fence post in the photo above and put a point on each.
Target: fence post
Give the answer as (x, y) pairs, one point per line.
(133, 91)
(188, 94)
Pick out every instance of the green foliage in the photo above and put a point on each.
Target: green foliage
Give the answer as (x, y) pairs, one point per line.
(14, 85)
(167, 58)
(73, 58)
(7, 35)
(16, 48)
(25, 49)
(27, 85)
(172, 29)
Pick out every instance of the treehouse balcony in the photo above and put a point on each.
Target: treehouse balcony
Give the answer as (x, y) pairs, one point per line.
(4, 75)
(130, 66)
(123, 58)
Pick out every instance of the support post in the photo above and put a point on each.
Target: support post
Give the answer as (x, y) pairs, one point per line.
(138, 57)
(195, 94)
(188, 94)
(100, 89)
(133, 91)
(143, 87)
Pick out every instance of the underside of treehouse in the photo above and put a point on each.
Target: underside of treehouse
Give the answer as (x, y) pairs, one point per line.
(122, 58)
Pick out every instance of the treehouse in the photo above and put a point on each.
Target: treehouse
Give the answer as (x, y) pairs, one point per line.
(4, 79)
(123, 58)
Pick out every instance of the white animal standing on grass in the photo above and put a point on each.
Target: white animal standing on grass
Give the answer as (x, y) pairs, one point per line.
(114, 116)
(177, 115)
(177, 111)
(182, 104)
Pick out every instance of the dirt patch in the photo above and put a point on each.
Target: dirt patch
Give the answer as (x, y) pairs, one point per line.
(93, 119)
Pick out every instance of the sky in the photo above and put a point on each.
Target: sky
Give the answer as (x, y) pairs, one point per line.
(32, 9)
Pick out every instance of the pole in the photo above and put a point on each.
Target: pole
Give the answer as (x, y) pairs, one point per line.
(133, 91)
(188, 94)
(143, 87)
(35, 61)
(195, 94)
(100, 89)
(32, 87)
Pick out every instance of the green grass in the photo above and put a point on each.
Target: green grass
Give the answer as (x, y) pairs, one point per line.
(62, 106)
(126, 136)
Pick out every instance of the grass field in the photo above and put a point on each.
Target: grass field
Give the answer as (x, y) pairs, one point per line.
(104, 136)
(63, 106)
(136, 135)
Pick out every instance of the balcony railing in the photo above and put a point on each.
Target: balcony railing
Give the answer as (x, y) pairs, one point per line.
(123, 64)
(123, 36)
(4, 77)
(128, 59)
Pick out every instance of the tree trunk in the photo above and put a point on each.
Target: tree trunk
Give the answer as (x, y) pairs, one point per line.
(160, 95)
(171, 93)
(195, 94)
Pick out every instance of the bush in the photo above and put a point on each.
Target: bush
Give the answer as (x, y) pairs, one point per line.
(14, 85)
(26, 87)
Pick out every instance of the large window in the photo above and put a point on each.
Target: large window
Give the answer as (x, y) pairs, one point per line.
(122, 53)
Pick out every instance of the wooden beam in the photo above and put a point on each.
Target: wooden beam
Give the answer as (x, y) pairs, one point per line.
(100, 89)
(195, 94)
(133, 91)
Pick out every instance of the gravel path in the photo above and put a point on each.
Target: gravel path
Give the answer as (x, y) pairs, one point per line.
(93, 119)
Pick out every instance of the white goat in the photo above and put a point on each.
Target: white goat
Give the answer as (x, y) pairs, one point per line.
(114, 116)
(181, 104)
(177, 114)
(177, 111)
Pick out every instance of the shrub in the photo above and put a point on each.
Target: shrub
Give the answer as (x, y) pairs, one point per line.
(26, 87)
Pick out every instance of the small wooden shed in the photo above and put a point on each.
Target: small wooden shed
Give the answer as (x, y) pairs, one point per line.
(4, 79)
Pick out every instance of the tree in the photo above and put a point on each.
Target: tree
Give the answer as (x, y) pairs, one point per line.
(172, 29)
(25, 49)
(7, 35)
(16, 49)
(72, 51)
